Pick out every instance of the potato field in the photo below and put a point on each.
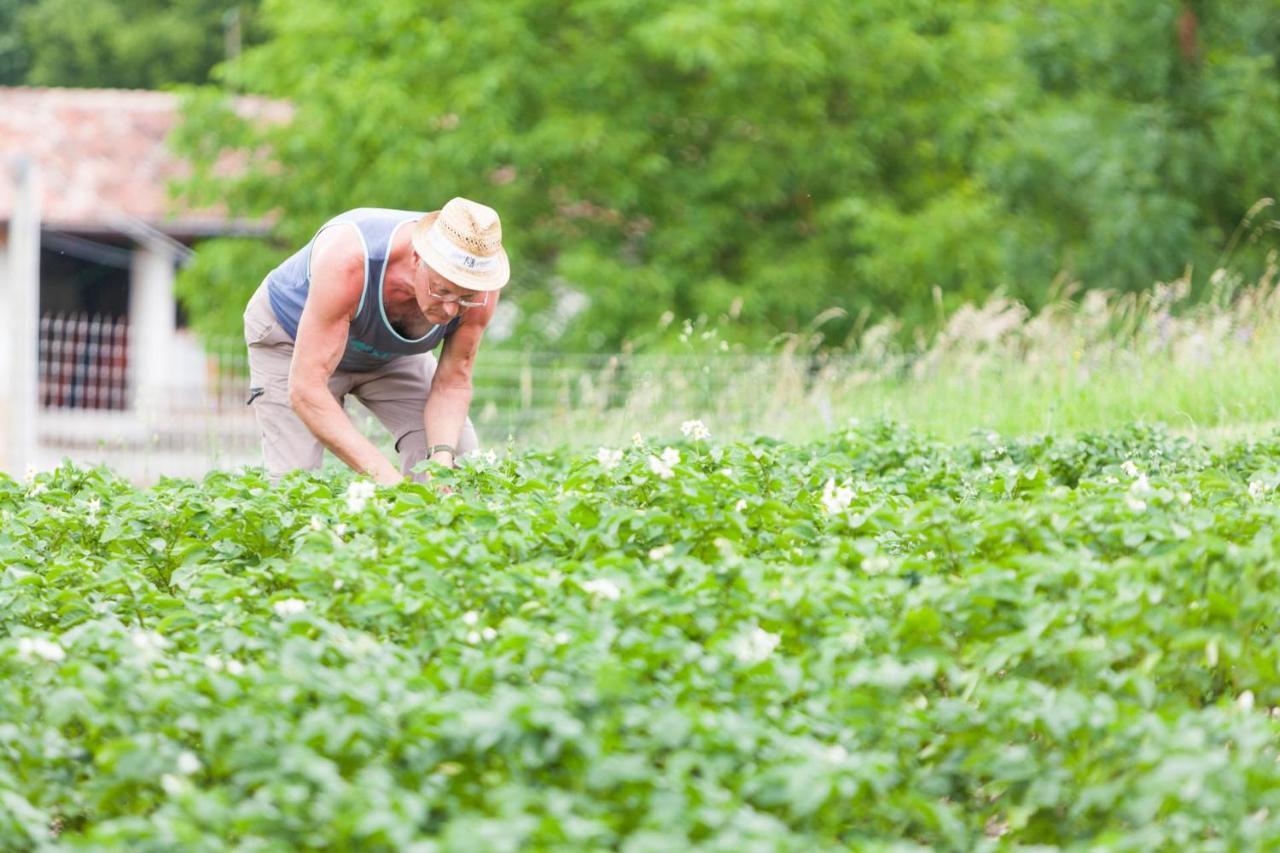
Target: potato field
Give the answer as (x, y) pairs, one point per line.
(873, 641)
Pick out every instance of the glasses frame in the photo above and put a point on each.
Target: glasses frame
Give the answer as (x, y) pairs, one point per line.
(453, 299)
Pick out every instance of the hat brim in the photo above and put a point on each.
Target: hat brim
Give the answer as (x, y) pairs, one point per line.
(494, 279)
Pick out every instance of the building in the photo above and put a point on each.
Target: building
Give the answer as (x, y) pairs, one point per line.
(111, 239)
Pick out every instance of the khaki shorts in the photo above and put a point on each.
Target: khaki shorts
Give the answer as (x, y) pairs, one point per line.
(396, 394)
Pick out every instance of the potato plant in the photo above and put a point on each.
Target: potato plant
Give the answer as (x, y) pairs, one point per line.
(872, 641)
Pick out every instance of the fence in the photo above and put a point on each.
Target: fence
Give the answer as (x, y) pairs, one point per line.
(93, 414)
(83, 362)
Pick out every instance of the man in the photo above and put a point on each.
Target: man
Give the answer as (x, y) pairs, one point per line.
(358, 311)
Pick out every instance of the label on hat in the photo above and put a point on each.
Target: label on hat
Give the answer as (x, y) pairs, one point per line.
(458, 257)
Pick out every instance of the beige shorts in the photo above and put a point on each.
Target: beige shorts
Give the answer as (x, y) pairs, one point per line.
(396, 394)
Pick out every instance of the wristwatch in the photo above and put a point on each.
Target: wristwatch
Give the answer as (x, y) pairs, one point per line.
(436, 448)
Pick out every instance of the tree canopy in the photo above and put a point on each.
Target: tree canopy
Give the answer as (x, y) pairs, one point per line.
(118, 43)
(740, 160)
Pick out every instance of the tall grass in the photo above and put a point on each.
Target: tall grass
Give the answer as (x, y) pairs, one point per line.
(1088, 360)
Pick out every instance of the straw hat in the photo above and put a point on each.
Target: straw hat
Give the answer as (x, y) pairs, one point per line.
(463, 242)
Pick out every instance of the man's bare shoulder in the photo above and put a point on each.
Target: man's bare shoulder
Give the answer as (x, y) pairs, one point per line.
(338, 265)
(338, 249)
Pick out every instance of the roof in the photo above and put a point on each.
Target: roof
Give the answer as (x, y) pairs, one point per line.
(103, 158)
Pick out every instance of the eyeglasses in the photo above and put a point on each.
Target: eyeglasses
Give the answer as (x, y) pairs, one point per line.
(454, 298)
(457, 299)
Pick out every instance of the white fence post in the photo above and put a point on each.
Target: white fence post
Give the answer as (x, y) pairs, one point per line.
(22, 307)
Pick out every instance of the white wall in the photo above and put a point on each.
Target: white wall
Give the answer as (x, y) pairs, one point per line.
(152, 324)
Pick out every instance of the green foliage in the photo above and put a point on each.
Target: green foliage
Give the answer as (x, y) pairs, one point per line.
(126, 43)
(871, 640)
(739, 160)
(14, 55)
(217, 284)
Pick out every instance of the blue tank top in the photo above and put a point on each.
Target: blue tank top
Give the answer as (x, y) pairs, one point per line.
(372, 341)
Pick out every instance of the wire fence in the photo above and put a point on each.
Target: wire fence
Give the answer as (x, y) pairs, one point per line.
(92, 412)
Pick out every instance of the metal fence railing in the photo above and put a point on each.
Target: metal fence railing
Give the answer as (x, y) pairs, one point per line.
(83, 362)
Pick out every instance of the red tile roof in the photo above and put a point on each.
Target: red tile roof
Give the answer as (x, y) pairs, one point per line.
(102, 155)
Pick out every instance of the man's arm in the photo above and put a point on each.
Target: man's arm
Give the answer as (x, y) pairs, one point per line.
(450, 396)
(337, 281)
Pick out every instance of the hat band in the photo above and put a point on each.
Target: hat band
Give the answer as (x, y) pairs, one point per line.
(456, 256)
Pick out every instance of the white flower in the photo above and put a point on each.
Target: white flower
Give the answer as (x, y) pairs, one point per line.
(671, 456)
(1129, 468)
(740, 505)
(316, 524)
(660, 468)
(214, 663)
(473, 637)
(173, 785)
(637, 440)
(188, 763)
(39, 647)
(234, 667)
(359, 493)
(340, 529)
(661, 552)
(695, 430)
(289, 607)
(337, 584)
(1257, 489)
(470, 618)
(560, 638)
(1141, 486)
(94, 506)
(1184, 498)
(603, 588)
(608, 459)
(148, 642)
(1136, 504)
(1245, 701)
(876, 564)
(37, 489)
(754, 645)
(836, 498)
(488, 633)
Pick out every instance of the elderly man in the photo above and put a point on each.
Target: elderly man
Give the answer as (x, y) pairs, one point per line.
(358, 311)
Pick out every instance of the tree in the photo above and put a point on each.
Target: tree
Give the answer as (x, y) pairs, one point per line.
(739, 159)
(681, 161)
(14, 56)
(127, 43)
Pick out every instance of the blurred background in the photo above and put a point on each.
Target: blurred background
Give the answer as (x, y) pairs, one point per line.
(773, 216)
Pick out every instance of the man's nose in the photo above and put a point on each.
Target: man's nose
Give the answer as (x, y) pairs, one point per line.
(450, 308)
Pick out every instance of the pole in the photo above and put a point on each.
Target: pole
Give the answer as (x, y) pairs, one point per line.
(22, 305)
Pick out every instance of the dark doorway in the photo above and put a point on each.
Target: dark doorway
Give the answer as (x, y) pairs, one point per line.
(71, 283)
